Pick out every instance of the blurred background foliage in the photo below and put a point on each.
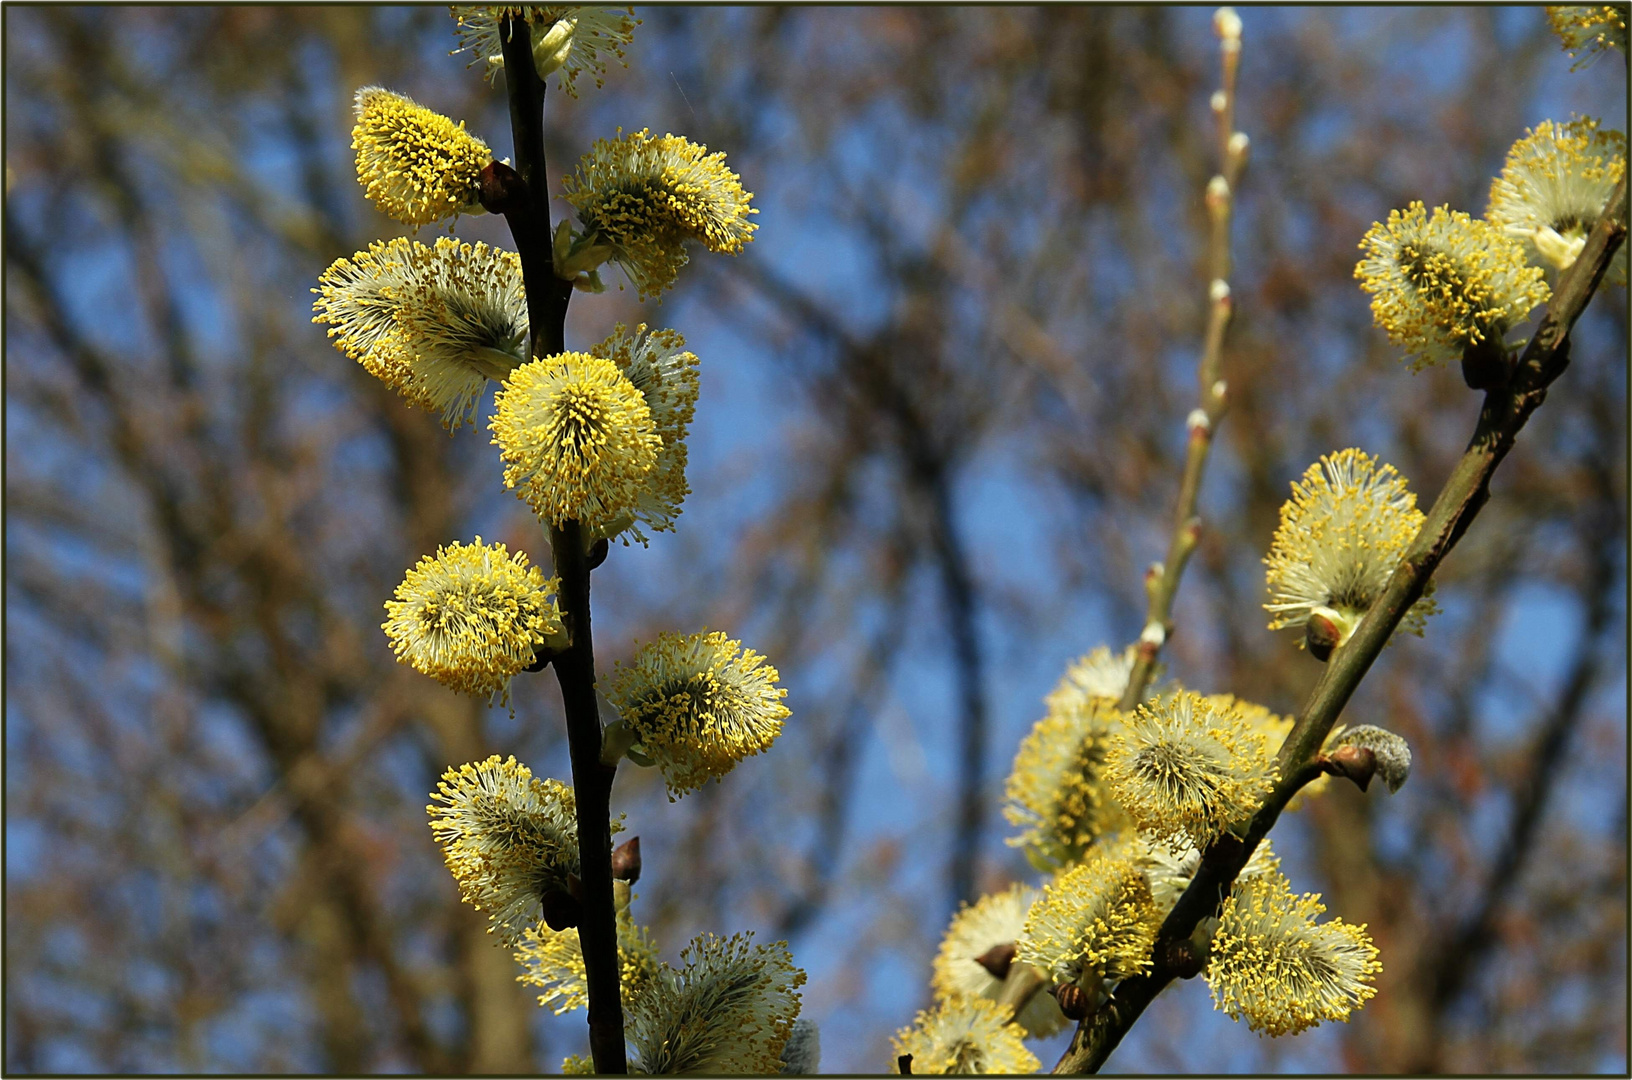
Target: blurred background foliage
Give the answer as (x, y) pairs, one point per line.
(942, 415)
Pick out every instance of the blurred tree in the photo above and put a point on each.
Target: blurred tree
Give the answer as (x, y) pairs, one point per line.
(938, 441)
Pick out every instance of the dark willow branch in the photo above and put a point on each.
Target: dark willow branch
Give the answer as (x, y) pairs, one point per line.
(523, 197)
(1505, 412)
(958, 594)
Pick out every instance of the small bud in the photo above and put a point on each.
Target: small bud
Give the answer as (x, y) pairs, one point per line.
(1219, 291)
(1220, 390)
(1153, 634)
(1074, 1001)
(562, 911)
(597, 553)
(502, 190)
(626, 860)
(1326, 629)
(1197, 423)
(1320, 636)
(1227, 24)
(1191, 536)
(1220, 101)
(802, 1053)
(1391, 752)
(998, 960)
(1355, 762)
(1238, 145)
(1218, 195)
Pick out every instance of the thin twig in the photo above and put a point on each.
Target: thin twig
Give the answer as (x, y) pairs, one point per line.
(547, 299)
(1505, 412)
(1162, 581)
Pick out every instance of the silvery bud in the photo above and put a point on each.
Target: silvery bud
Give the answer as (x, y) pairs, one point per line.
(1392, 752)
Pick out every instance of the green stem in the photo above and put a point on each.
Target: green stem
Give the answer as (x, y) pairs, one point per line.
(547, 300)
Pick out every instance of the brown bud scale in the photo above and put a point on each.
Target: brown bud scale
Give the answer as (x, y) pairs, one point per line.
(1074, 1001)
(502, 189)
(1357, 763)
(626, 860)
(998, 960)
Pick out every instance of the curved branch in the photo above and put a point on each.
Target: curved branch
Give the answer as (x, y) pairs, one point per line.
(1504, 413)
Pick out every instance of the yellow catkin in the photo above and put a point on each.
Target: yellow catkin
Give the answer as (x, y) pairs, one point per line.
(995, 920)
(1274, 729)
(554, 960)
(1056, 791)
(698, 704)
(657, 364)
(576, 437)
(967, 1037)
(1272, 965)
(645, 195)
(1340, 538)
(1443, 282)
(1553, 186)
(1100, 674)
(508, 837)
(416, 165)
(1184, 769)
(1097, 920)
(473, 616)
(1170, 869)
(729, 1008)
(1589, 29)
(566, 39)
(434, 323)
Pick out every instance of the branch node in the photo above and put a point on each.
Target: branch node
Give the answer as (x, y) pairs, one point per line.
(1182, 958)
(562, 911)
(1487, 365)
